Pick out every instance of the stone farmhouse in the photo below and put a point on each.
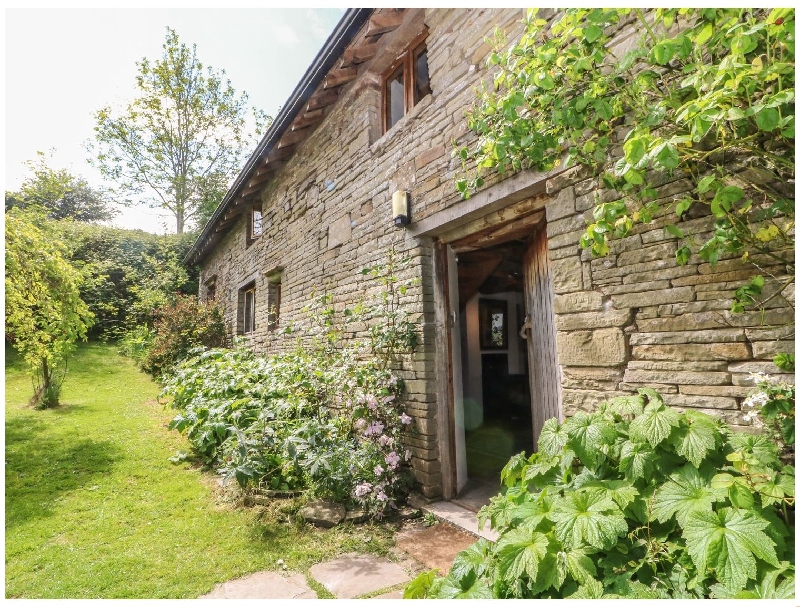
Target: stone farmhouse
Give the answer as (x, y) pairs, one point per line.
(517, 323)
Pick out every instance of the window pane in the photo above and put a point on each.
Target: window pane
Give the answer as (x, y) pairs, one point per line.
(422, 83)
(395, 98)
(256, 223)
(249, 309)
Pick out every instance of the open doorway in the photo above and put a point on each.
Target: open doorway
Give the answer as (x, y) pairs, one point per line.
(502, 354)
(494, 364)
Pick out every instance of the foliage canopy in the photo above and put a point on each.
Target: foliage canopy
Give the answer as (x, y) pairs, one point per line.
(59, 194)
(706, 96)
(181, 141)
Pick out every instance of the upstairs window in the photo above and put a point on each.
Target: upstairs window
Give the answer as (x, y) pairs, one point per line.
(256, 227)
(405, 84)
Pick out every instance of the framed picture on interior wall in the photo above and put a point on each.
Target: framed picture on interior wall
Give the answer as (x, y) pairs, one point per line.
(493, 314)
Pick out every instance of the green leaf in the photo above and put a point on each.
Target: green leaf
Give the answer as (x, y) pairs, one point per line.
(685, 492)
(579, 566)
(469, 587)
(704, 34)
(683, 255)
(674, 230)
(519, 552)
(768, 119)
(724, 199)
(472, 559)
(697, 435)
(552, 438)
(655, 424)
(625, 405)
(728, 541)
(740, 496)
(637, 460)
(635, 150)
(419, 586)
(592, 33)
(588, 434)
(668, 157)
(592, 589)
(633, 177)
(588, 517)
(662, 52)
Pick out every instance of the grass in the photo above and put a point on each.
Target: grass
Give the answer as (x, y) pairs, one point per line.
(94, 509)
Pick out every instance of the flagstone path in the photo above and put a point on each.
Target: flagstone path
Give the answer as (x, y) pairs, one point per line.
(356, 575)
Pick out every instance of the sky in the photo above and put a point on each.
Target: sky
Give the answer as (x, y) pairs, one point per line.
(62, 65)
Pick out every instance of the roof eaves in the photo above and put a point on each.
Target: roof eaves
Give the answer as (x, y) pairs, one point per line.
(330, 52)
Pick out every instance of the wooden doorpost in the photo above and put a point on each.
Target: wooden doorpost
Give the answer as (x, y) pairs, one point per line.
(543, 372)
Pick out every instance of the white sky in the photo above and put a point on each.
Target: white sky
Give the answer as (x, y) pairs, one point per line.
(61, 65)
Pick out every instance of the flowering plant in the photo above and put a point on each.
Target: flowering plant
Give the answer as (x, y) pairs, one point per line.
(771, 406)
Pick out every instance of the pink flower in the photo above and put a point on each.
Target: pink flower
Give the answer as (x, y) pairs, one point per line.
(385, 441)
(361, 423)
(363, 489)
(382, 497)
(372, 402)
(378, 470)
(393, 460)
(374, 428)
(388, 399)
(405, 419)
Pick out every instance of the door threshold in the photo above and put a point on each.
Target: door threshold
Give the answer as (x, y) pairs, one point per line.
(460, 517)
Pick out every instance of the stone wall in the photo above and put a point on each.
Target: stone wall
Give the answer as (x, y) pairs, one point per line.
(634, 318)
(327, 214)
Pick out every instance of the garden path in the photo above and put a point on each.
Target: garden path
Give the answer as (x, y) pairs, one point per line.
(358, 575)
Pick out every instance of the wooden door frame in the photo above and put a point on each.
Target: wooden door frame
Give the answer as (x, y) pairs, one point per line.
(445, 428)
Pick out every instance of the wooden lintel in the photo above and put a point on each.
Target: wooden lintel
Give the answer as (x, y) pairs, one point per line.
(496, 218)
(224, 225)
(338, 77)
(308, 119)
(292, 137)
(322, 99)
(261, 175)
(358, 54)
(250, 190)
(519, 228)
(380, 23)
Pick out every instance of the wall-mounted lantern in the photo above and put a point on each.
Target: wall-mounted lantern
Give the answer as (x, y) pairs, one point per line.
(401, 212)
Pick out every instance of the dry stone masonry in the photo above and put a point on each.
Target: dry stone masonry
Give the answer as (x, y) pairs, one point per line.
(634, 318)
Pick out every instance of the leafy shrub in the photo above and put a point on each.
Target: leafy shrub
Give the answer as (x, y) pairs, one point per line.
(179, 328)
(326, 417)
(637, 501)
(302, 420)
(136, 343)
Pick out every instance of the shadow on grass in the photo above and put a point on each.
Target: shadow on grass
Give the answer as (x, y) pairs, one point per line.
(41, 469)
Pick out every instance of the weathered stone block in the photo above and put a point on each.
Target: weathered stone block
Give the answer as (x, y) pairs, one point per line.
(581, 301)
(566, 225)
(768, 349)
(689, 337)
(709, 378)
(653, 298)
(732, 391)
(566, 275)
(561, 205)
(651, 253)
(600, 348)
(593, 320)
(681, 352)
(684, 365)
(339, 231)
(700, 402)
(590, 378)
(684, 322)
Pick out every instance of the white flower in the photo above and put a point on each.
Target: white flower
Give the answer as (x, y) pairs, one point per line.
(760, 378)
(408, 454)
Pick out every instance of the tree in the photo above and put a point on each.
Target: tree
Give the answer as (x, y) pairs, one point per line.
(45, 315)
(60, 194)
(179, 143)
(707, 95)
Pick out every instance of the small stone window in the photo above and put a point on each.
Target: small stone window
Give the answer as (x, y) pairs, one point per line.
(246, 316)
(405, 83)
(211, 288)
(255, 225)
(274, 280)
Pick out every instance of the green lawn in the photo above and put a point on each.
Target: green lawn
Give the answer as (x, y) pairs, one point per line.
(94, 509)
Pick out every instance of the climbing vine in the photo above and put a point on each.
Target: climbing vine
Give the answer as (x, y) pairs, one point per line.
(706, 95)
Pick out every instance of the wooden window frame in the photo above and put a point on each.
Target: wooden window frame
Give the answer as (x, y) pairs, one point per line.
(408, 61)
(243, 309)
(251, 225)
